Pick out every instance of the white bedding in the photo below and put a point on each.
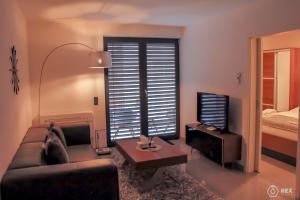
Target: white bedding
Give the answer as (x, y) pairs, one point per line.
(287, 121)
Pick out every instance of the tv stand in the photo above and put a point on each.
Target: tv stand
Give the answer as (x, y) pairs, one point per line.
(222, 147)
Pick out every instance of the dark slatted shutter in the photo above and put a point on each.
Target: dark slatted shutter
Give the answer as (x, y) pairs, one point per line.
(161, 88)
(124, 91)
(142, 88)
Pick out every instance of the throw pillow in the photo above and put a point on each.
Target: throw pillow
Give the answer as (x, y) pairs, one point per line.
(55, 152)
(59, 133)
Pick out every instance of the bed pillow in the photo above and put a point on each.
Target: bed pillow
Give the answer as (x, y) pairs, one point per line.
(267, 112)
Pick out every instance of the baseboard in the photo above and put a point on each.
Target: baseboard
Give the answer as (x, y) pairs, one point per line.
(237, 166)
(279, 156)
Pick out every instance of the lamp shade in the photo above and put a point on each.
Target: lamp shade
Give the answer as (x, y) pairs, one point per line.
(100, 59)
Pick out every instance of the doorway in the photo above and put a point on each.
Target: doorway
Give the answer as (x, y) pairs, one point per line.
(276, 100)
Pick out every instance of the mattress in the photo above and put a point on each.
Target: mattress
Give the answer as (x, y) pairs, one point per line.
(287, 121)
(290, 135)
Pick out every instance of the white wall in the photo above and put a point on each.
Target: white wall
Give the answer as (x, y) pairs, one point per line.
(68, 85)
(216, 48)
(15, 110)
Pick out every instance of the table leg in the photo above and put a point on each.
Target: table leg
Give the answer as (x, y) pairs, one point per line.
(151, 182)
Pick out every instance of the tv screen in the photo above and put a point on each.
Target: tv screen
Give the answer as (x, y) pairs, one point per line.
(212, 110)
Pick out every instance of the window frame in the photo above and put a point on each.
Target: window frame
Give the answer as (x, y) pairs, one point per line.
(143, 82)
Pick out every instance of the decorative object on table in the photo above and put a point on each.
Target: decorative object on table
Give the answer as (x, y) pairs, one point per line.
(147, 144)
(98, 59)
(100, 150)
(14, 71)
(155, 147)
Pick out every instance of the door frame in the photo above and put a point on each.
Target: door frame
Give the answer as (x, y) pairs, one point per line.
(255, 107)
(142, 62)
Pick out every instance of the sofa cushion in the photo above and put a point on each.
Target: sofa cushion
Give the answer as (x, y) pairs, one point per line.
(28, 155)
(55, 152)
(35, 134)
(77, 134)
(59, 133)
(84, 152)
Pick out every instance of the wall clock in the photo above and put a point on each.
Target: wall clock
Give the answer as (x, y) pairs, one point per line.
(14, 71)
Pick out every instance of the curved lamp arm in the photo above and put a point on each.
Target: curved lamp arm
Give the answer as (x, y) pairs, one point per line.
(43, 66)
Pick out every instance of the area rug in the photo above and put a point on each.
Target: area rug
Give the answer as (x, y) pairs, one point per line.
(175, 184)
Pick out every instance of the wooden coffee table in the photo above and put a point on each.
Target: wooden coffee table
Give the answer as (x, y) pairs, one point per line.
(168, 155)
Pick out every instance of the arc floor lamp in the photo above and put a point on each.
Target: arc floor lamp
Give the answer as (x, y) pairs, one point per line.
(97, 59)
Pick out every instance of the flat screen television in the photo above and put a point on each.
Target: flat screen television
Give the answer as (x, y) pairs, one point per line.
(212, 110)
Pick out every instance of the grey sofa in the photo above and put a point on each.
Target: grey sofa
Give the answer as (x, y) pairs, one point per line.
(84, 177)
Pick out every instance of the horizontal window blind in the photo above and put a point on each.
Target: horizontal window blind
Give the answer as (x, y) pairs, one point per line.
(124, 90)
(161, 88)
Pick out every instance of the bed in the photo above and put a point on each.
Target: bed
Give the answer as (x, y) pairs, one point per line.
(280, 134)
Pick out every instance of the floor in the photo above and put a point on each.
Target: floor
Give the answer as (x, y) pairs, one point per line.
(236, 185)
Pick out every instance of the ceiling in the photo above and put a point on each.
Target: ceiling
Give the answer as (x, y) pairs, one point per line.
(163, 12)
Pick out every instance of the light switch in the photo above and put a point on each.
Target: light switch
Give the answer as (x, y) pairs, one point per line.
(239, 78)
(96, 101)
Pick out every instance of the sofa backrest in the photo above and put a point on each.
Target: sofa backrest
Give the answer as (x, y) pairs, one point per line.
(30, 152)
(35, 134)
(77, 134)
(72, 119)
(28, 155)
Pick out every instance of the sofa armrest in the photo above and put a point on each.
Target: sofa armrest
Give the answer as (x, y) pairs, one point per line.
(77, 134)
(94, 179)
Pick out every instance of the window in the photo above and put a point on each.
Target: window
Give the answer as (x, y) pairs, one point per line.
(142, 88)
(161, 88)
